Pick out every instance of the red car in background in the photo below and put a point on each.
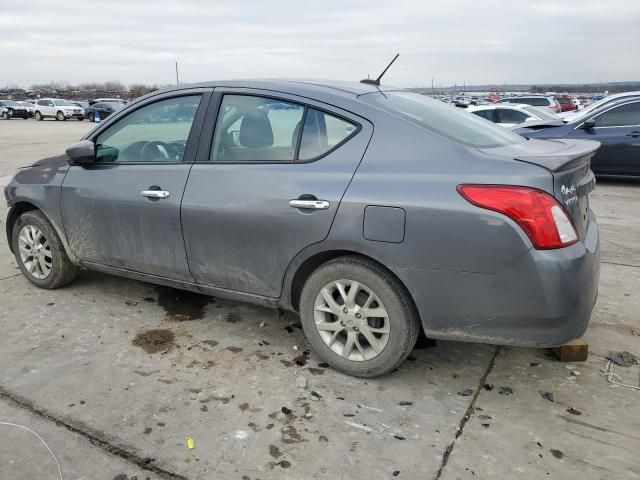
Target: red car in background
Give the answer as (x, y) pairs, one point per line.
(566, 103)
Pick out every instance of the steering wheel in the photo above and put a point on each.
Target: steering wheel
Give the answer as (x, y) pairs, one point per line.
(156, 149)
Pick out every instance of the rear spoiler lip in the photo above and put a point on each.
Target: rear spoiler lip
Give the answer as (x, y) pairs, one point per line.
(575, 152)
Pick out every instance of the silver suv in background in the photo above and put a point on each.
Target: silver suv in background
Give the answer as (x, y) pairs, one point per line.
(58, 109)
(539, 101)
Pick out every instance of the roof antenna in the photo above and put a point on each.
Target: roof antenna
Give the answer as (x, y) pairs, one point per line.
(377, 80)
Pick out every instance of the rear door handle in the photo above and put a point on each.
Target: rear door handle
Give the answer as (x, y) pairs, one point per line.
(310, 204)
(155, 193)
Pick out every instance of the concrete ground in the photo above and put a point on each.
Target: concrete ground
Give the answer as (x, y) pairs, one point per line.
(116, 375)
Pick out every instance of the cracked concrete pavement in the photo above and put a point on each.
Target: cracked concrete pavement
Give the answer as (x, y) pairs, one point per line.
(75, 371)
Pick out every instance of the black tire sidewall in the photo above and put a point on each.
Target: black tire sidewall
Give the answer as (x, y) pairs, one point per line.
(62, 271)
(403, 322)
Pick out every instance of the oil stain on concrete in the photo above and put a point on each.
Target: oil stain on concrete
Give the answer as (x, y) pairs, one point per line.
(154, 341)
(181, 305)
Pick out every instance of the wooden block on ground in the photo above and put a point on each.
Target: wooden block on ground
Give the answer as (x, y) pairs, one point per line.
(574, 351)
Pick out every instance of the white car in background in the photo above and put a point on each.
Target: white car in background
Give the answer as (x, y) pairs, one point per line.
(568, 116)
(511, 114)
(58, 109)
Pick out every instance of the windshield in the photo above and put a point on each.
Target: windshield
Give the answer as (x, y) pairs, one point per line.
(450, 122)
(593, 106)
(65, 103)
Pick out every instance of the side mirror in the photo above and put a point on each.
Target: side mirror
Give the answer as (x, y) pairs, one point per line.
(82, 153)
(589, 124)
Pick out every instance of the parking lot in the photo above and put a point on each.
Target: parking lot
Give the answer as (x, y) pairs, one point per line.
(120, 378)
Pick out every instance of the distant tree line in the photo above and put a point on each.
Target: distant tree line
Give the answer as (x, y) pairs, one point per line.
(614, 87)
(81, 91)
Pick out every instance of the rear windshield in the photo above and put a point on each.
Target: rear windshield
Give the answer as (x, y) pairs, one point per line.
(542, 113)
(453, 123)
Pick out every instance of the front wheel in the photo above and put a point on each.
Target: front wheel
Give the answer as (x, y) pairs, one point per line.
(39, 252)
(358, 317)
(6, 116)
(60, 116)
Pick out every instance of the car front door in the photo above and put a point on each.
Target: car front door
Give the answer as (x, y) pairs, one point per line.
(618, 131)
(124, 210)
(266, 185)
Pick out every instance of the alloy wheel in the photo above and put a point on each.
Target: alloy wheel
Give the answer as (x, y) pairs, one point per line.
(351, 320)
(35, 252)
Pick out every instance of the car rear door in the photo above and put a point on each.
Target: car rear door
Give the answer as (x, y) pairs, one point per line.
(266, 185)
(618, 131)
(124, 210)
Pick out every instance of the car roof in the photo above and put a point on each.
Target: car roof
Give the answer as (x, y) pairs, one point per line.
(312, 88)
(604, 107)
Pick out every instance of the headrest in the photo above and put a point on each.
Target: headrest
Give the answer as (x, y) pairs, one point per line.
(255, 130)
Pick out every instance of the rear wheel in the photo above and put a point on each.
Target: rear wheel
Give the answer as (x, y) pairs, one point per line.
(60, 116)
(39, 251)
(38, 116)
(358, 317)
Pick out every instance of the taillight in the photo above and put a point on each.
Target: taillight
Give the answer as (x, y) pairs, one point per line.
(539, 214)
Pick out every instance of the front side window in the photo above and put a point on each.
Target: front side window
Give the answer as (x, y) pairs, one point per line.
(157, 132)
(440, 118)
(256, 129)
(624, 115)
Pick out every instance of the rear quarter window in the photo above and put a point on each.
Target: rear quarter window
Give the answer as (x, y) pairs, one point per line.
(450, 122)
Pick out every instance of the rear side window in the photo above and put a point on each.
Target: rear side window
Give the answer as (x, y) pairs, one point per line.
(442, 119)
(261, 129)
(507, 115)
(254, 129)
(624, 115)
(486, 114)
(322, 133)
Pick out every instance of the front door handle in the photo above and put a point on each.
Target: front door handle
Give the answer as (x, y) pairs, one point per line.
(310, 204)
(155, 193)
(634, 134)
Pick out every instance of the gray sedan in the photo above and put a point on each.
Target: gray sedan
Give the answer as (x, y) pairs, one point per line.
(373, 212)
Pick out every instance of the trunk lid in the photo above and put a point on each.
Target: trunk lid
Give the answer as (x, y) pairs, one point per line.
(569, 163)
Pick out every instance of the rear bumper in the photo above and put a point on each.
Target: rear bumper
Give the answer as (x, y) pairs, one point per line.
(544, 298)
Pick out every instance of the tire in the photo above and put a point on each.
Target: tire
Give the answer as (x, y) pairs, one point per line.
(401, 323)
(60, 116)
(61, 270)
(38, 116)
(25, 118)
(6, 116)
(80, 119)
(92, 118)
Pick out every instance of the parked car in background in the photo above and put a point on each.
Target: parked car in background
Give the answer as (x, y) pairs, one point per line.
(509, 115)
(616, 125)
(102, 110)
(566, 103)
(80, 103)
(367, 250)
(462, 101)
(549, 103)
(117, 100)
(28, 106)
(58, 109)
(11, 109)
(568, 116)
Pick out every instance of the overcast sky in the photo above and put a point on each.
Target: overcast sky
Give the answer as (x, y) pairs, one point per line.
(452, 41)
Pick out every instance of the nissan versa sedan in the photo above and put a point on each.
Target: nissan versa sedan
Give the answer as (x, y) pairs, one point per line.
(373, 212)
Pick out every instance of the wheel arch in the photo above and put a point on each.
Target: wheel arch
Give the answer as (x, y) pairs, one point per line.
(305, 267)
(15, 212)
(23, 206)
